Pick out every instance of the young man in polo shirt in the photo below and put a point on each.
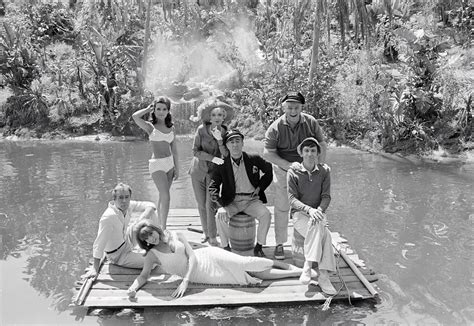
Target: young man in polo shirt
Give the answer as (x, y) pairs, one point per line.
(238, 187)
(281, 140)
(309, 185)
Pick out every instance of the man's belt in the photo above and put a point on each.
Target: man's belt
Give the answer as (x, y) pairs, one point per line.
(244, 193)
(111, 252)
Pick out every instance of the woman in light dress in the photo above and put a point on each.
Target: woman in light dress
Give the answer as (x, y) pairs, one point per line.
(209, 265)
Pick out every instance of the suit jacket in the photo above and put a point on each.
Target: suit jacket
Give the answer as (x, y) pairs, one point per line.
(223, 175)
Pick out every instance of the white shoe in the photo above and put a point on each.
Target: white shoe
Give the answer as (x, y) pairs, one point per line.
(305, 277)
(325, 284)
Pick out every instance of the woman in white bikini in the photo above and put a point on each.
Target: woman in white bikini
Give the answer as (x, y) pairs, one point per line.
(208, 265)
(164, 163)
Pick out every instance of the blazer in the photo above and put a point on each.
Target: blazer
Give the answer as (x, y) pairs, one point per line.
(222, 184)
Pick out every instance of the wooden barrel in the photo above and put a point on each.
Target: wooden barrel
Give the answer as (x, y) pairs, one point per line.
(297, 248)
(242, 232)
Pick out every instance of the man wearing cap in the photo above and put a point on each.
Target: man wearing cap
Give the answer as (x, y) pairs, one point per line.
(309, 196)
(238, 187)
(281, 140)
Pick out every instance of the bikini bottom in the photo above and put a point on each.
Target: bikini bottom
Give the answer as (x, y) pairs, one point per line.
(164, 164)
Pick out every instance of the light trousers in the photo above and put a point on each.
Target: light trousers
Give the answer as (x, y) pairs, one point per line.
(317, 241)
(252, 207)
(126, 257)
(281, 204)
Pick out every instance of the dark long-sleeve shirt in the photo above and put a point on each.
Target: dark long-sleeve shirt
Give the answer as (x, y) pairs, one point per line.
(309, 189)
(205, 148)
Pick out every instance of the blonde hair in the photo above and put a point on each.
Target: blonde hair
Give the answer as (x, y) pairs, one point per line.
(224, 111)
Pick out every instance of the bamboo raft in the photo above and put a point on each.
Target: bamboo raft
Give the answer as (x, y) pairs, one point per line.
(110, 288)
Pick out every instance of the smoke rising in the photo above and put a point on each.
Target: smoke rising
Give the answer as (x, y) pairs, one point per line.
(204, 63)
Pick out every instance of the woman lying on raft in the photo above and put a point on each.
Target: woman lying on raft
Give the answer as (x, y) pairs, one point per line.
(210, 265)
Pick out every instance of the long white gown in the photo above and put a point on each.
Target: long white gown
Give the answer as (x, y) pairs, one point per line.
(214, 265)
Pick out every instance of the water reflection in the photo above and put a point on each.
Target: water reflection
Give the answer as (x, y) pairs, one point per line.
(412, 224)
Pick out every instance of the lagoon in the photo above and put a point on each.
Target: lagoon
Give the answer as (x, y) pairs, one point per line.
(411, 223)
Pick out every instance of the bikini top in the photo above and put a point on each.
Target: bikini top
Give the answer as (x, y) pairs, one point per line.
(157, 135)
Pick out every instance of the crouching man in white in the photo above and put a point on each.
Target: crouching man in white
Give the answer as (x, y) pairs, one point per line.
(309, 196)
(115, 233)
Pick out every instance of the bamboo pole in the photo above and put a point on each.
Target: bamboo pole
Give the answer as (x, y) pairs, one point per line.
(86, 286)
(358, 273)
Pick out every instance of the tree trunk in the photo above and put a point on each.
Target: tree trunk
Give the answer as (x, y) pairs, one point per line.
(145, 42)
(315, 47)
(328, 27)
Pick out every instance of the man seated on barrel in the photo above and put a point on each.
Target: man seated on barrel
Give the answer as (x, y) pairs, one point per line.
(309, 196)
(238, 188)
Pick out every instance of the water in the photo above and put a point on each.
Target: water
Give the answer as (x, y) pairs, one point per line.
(412, 224)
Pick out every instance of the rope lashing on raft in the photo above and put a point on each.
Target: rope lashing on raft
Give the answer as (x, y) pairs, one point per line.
(327, 303)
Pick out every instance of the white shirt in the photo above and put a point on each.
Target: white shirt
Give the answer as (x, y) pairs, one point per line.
(112, 226)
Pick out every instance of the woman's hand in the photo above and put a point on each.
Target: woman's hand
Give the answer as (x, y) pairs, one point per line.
(131, 293)
(216, 133)
(217, 160)
(175, 174)
(181, 289)
(222, 215)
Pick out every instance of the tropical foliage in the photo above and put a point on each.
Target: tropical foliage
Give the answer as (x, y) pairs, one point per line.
(393, 72)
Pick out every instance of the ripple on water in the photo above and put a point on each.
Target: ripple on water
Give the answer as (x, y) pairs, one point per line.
(225, 313)
(412, 253)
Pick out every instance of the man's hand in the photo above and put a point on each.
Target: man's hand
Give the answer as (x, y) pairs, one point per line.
(222, 215)
(92, 273)
(316, 215)
(255, 192)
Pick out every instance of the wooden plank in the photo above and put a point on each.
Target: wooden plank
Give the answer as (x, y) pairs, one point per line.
(215, 296)
(110, 285)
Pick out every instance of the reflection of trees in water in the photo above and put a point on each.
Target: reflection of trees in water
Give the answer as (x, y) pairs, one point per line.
(296, 314)
(56, 194)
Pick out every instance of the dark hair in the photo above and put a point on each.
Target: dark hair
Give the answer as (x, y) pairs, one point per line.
(145, 228)
(168, 120)
(310, 143)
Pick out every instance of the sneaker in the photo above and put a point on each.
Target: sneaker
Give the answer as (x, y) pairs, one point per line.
(325, 284)
(279, 252)
(204, 239)
(305, 277)
(227, 248)
(257, 251)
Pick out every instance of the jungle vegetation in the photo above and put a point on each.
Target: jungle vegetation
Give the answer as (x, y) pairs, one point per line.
(394, 74)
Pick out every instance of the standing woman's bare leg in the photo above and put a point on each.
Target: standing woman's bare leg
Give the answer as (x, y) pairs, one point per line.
(163, 184)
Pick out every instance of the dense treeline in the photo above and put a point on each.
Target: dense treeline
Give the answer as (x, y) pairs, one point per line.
(393, 73)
